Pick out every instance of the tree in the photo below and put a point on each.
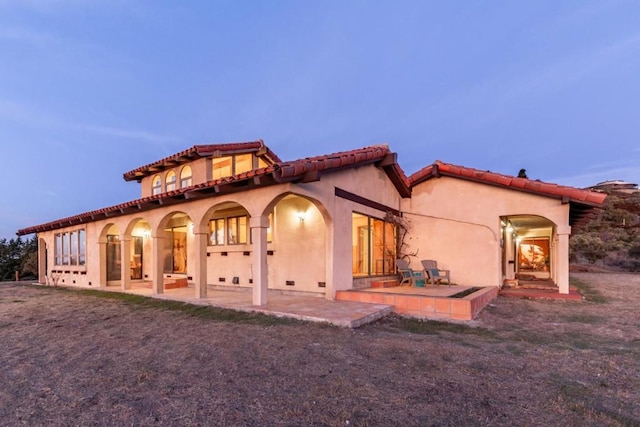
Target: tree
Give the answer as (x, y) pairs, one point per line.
(18, 255)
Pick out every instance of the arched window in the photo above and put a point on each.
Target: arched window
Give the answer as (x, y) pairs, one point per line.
(156, 186)
(185, 177)
(171, 181)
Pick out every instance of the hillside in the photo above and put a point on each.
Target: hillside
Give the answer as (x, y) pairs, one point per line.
(612, 240)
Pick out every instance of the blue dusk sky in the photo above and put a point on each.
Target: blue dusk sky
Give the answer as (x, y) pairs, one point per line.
(90, 89)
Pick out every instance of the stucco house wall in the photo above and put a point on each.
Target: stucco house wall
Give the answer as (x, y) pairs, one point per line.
(457, 223)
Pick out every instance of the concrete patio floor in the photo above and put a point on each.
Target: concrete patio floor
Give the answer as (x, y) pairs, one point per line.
(309, 308)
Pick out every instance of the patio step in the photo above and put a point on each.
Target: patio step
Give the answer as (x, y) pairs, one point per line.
(389, 283)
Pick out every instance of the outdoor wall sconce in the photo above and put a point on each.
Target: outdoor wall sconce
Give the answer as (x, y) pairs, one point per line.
(146, 234)
(301, 216)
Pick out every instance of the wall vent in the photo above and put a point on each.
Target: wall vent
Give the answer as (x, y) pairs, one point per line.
(322, 284)
(246, 253)
(224, 253)
(269, 252)
(221, 279)
(190, 278)
(290, 282)
(250, 280)
(235, 280)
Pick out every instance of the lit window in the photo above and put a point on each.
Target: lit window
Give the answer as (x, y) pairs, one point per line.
(171, 181)
(270, 229)
(185, 177)
(216, 228)
(243, 163)
(65, 249)
(156, 187)
(374, 246)
(222, 167)
(237, 233)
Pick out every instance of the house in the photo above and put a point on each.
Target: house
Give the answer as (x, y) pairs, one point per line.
(237, 215)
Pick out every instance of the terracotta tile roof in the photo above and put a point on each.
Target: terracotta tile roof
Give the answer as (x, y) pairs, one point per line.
(582, 201)
(198, 151)
(302, 170)
(533, 186)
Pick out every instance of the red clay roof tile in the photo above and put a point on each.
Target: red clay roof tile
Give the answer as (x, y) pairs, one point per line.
(533, 186)
(198, 151)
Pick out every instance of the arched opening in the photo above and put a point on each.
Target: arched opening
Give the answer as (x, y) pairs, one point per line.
(111, 273)
(140, 251)
(228, 260)
(299, 245)
(528, 248)
(176, 229)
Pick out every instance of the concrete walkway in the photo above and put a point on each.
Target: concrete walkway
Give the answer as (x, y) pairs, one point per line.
(314, 309)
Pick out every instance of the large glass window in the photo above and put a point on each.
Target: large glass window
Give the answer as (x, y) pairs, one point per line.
(374, 246)
(65, 248)
(171, 181)
(58, 249)
(222, 167)
(70, 248)
(237, 230)
(176, 261)
(156, 186)
(185, 177)
(232, 165)
(114, 261)
(216, 228)
(74, 248)
(136, 257)
(82, 243)
(243, 163)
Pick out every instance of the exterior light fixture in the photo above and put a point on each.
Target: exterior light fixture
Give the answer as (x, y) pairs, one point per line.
(301, 216)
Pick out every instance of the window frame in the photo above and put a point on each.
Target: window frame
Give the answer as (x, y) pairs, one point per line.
(186, 181)
(388, 268)
(171, 181)
(156, 188)
(70, 248)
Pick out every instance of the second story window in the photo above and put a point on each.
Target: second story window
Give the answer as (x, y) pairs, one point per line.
(222, 166)
(171, 181)
(232, 165)
(156, 186)
(185, 177)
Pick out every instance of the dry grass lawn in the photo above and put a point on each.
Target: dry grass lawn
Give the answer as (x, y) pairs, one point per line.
(85, 358)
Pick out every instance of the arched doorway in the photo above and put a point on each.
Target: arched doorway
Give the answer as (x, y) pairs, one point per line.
(528, 247)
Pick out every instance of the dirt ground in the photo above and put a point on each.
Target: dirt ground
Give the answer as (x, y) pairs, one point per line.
(71, 358)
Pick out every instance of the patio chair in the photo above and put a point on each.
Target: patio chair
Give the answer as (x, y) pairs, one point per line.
(433, 273)
(408, 275)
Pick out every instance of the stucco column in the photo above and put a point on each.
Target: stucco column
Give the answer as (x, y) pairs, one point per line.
(563, 259)
(201, 236)
(157, 245)
(339, 274)
(259, 225)
(42, 261)
(103, 264)
(125, 262)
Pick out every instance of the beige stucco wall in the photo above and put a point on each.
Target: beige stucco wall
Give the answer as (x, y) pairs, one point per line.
(316, 250)
(200, 173)
(457, 223)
